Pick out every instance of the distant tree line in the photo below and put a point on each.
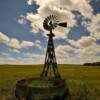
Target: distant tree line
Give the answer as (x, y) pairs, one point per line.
(92, 64)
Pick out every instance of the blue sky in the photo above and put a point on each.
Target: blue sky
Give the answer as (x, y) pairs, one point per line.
(23, 39)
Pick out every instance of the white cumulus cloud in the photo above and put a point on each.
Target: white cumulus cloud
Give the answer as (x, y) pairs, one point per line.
(14, 50)
(25, 44)
(86, 41)
(63, 9)
(94, 26)
(3, 37)
(15, 43)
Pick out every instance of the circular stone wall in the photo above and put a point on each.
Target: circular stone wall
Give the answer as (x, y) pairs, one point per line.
(41, 89)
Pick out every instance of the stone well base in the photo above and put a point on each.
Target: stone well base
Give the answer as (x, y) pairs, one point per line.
(41, 89)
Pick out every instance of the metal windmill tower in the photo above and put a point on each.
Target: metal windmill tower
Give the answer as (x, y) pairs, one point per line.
(50, 23)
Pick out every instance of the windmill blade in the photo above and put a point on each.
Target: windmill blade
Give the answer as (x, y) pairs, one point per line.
(63, 24)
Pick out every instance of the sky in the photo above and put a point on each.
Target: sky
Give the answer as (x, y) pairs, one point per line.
(23, 39)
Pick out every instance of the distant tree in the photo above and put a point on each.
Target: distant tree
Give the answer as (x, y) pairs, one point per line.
(92, 64)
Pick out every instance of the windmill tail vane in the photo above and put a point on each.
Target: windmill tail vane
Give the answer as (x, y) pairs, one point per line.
(62, 24)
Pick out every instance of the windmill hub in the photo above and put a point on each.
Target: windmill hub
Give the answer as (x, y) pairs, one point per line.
(50, 85)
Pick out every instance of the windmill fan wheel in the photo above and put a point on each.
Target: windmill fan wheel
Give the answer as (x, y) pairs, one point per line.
(50, 22)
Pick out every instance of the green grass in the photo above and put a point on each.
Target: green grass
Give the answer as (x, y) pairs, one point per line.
(83, 81)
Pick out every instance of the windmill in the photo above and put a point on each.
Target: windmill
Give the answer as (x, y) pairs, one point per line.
(45, 87)
(49, 24)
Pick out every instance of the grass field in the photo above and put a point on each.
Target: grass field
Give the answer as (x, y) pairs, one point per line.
(83, 81)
